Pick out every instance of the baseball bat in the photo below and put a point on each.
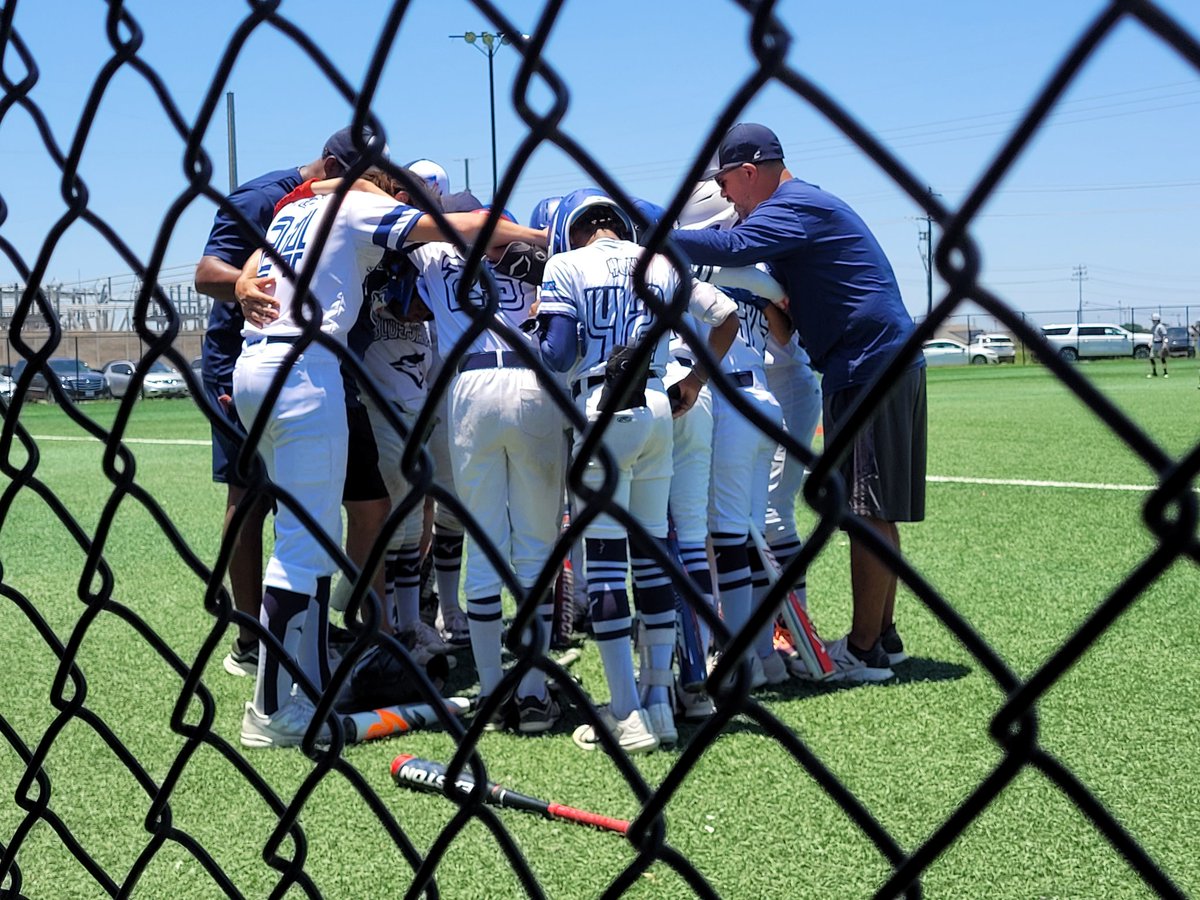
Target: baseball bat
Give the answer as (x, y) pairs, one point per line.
(389, 720)
(808, 644)
(429, 776)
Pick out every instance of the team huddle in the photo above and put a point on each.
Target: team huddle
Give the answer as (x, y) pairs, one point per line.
(785, 279)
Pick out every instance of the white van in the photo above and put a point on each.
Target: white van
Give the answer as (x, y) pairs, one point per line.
(1095, 340)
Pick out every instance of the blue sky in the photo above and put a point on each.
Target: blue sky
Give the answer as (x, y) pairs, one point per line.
(1112, 183)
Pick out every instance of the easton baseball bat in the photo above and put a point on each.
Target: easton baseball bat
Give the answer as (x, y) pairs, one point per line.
(389, 720)
(809, 645)
(426, 775)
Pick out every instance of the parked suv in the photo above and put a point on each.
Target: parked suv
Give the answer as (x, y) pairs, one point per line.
(1095, 341)
(992, 348)
(1179, 341)
(78, 380)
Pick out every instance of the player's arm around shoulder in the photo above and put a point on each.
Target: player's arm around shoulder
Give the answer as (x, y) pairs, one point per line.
(256, 293)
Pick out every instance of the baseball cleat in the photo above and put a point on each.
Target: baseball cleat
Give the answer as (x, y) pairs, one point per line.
(241, 662)
(893, 646)
(633, 733)
(536, 715)
(853, 669)
(285, 727)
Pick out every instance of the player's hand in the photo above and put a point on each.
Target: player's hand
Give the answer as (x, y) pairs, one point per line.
(256, 296)
(684, 394)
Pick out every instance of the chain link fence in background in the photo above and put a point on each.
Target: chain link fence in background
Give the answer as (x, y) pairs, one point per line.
(164, 309)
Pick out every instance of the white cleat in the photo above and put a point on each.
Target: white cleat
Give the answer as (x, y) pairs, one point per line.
(633, 733)
(286, 727)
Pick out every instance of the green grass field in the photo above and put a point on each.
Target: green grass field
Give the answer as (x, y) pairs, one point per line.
(1024, 564)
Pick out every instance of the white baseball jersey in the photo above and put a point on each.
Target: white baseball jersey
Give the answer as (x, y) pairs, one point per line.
(595, 286)
(366, 225)
(441, 269)
(399, 358)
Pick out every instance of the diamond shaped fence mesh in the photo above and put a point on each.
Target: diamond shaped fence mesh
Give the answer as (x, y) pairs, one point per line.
(323, 801)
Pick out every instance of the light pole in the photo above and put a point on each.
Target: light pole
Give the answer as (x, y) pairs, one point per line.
(489, 45)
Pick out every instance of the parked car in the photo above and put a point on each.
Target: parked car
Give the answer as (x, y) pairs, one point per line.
(1179, 341)
(79, 381)
(6, 387)
(160, 380)
(992, 348)
(198, 365)
(1096, 341)
(944, 352)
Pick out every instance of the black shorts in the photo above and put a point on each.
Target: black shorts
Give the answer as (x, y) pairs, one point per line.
(225, 450)
(363, 481)
(885, 466)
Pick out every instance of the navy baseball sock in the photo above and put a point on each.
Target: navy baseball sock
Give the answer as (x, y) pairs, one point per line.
(612, 624)
(282, 615)
(764, 641)
(656, 606)
(733, 578)
(533, 682)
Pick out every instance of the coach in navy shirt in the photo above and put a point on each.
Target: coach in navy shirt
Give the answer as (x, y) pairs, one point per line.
(846, 305)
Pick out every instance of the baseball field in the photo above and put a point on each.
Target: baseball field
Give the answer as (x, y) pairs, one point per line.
(1034, 518)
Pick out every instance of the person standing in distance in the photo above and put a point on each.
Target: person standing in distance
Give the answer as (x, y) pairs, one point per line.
(846, 306)
(229, 246)
(1159, 346)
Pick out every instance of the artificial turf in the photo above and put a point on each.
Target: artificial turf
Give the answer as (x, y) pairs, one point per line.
(1024, 565)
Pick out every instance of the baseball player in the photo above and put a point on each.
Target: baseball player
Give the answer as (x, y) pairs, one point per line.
(229, 246)
(1159, 346)
(789, 379)
(304, 441)
(435, 176)
(592, 320)
(504, 456)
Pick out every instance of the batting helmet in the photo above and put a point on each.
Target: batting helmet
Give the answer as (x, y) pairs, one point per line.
(1154, 317)
(543, 212)
(572, 208)
(706, 208)
(435, 176)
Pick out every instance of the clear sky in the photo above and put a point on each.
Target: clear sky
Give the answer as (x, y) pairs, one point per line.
(1111, 183)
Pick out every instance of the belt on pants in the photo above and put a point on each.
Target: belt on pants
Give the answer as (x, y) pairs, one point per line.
(492, 359)
(586, 384)
(276, 339)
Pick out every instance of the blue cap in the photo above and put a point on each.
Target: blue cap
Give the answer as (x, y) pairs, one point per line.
(341, 147)
(747, 142)
(462, 201)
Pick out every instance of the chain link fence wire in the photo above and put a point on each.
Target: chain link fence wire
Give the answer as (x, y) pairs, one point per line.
(1170, 512)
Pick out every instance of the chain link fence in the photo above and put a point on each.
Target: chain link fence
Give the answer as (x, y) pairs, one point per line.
(158, 317)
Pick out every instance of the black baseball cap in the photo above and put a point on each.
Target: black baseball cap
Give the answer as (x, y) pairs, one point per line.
(341, 146)
(747, 142)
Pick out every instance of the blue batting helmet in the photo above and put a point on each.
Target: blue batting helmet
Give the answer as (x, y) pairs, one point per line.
(572, 208)
(543, 212)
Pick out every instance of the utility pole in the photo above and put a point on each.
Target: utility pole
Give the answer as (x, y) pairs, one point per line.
(231, 127)
(1079, 274)
(466, 173)
(926, 238)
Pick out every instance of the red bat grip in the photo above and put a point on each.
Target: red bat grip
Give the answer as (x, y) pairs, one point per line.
(558, 811)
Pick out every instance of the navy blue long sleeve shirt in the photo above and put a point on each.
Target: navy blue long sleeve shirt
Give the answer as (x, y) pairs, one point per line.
(843, 295)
